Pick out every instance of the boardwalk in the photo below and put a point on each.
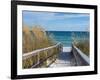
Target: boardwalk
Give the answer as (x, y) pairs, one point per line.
(65, 58)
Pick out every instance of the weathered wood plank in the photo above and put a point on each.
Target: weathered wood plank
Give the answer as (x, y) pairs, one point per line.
(80, 57)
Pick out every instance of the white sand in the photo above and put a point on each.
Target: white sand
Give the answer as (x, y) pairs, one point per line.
(67, 49)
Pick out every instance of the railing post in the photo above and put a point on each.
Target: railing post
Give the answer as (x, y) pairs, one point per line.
(47, 59)
(45, 52)
(38, 56)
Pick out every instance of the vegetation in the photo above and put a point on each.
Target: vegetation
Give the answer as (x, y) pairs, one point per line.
(36, 38)
(82, 44)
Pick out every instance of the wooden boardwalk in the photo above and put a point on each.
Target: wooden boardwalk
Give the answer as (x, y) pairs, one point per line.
(70, 56)
(36, 58)
(64, 59)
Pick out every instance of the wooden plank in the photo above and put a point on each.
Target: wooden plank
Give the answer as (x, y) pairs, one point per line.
(81, 58)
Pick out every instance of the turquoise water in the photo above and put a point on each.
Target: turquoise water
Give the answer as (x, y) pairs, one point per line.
(66, 37)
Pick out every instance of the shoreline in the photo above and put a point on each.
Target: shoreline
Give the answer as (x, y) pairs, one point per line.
(67, 49)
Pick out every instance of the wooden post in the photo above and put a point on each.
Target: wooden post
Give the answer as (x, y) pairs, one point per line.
(45, 52)
(47, 56)
(38, 56)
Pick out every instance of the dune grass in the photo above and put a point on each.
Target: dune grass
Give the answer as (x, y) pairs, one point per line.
(82, 44)
(37, 38)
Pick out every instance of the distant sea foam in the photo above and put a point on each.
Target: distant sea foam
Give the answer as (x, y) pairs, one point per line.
(66, 37)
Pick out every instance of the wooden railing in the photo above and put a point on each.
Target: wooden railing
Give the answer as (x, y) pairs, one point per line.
(80, 57)
(41, 57)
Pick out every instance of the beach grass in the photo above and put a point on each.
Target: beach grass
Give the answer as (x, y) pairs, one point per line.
(33, 39)
(84, 47)
(82, 44)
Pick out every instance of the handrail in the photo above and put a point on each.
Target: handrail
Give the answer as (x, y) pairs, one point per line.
(82, 56)
(86, 58)
(36, 53)
(33, 53)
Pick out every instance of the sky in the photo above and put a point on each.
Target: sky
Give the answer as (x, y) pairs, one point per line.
(57, 21)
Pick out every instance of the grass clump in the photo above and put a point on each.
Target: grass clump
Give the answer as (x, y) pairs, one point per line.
(82, 44)
(28, 40)
(33, 39)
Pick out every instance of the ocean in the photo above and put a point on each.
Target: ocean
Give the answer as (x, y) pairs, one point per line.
(66, 37)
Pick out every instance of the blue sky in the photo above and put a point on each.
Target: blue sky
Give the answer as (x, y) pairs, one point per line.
(57, 21)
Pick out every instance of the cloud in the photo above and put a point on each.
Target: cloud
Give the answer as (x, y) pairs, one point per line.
(56, 21)
(47, 16)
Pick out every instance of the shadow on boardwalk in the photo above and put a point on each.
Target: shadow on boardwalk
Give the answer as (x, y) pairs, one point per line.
(66, 56)
(64, 59)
